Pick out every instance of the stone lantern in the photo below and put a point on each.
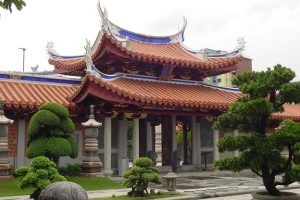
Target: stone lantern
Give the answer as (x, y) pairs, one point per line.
(171, 182)
(5, 166)
(91, 164)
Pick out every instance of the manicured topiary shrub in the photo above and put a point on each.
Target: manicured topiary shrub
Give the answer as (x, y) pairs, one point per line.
(41, 173)
(140, 175)
(50, 133)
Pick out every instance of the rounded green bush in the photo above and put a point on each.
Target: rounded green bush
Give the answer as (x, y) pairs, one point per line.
(67, 125)
(56, 132)
(59, 147)
(47, 118)
(34, 126)
(140, 175)
(39, 175)
(73, 145)
(56, 108)
(49, 146)
(143, 162)
(49, 131)
(37, 148)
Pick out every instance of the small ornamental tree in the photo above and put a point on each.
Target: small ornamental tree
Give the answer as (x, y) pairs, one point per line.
(140, 175)
(39, 175)
(51, 132)
(261, 152)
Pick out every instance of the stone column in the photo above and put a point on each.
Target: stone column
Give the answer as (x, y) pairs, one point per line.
(21, 143)
(184, 144)
(198, 130)
(174, 141)
(158, 148)
(215, 142)
(122, 145)
(235, 134)
(107, 147)
(135, 138)
(149, 136)
(91, 163)
(5, 166)
(194, 141)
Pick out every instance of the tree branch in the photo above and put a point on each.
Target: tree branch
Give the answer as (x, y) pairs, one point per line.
(286, 165)
(255, 172)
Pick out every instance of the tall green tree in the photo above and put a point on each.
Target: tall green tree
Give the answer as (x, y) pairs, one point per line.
(7, 4)
(51, 132)
(264, 93)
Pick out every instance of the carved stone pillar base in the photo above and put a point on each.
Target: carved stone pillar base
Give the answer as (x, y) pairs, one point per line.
(5, 171)
(91, 169)
(107, 172)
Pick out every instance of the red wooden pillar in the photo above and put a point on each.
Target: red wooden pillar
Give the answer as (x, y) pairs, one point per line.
(166, 140)
(143, 138)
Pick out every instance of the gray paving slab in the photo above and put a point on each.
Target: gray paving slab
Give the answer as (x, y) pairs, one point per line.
(199, 185)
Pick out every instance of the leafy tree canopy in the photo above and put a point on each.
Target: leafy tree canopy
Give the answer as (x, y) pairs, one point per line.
(264, 93)
(7, 4)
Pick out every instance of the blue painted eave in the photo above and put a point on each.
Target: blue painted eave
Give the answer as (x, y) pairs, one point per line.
(39, 79)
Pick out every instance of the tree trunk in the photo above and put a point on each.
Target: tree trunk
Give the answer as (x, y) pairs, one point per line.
(56, 161)
(269, 183)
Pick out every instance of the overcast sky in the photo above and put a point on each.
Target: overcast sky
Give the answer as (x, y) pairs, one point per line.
(271, 28)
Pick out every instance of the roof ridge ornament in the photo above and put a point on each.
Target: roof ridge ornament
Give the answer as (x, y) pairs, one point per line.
(120, 33)
(241, 44)
(179, 37)
(88, 56)
(50, 50)
(104, 17)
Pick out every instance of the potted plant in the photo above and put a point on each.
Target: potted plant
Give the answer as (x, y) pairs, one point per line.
(261, 151)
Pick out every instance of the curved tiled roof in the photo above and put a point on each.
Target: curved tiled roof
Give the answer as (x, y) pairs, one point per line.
(167, 53)
(156, 93)
(28, 95)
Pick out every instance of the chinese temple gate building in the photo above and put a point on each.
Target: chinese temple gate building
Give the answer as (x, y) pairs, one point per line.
(152, 82)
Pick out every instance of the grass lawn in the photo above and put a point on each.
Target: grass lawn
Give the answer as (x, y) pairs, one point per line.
(10, 188)
(95, 183)
(156, 196)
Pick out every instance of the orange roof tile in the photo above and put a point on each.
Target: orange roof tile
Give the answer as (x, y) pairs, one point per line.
(170, 53)
(16, 94)
(291, 111)
(28, 95)
(163, 93)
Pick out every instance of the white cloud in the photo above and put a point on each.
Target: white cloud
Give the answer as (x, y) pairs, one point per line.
(270, 27)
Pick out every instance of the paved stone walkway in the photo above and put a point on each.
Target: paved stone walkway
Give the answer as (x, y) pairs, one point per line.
(245, 196)
(199, 185)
